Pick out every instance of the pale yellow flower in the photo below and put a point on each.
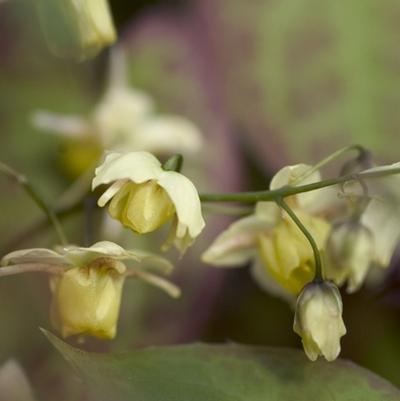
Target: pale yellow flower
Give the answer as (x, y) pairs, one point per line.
(143, 196)
(350, 252)
(77, 28)
(87, 283)
(318, 320)
(125, 119)
(282, 259)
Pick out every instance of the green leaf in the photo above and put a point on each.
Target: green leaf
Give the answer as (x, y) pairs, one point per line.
(231, 372)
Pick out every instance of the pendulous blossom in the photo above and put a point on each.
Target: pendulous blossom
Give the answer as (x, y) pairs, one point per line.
(143, 197)
(87, 283)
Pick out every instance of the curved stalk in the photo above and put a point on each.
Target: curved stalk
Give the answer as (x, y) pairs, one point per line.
(31, 191)
(272, 195)
(307, 234)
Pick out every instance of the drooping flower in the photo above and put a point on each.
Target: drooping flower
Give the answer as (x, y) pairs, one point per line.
(282, 259)
(87, 283)
(143, 197)
(318, 320)
(125, 119)
(349, 254)
(77, 28)
(382, 215)
(357, 245)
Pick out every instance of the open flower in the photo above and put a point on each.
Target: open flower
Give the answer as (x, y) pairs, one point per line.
(87, 283)
(283, 260)
(318, 320)
(143, 196)
(76, 28)
(125, 119)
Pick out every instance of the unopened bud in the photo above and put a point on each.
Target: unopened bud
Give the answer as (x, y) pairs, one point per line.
(76, 28)
(318, 320)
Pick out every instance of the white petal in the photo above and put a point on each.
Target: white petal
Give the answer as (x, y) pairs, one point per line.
(167, 134)
(118, 114)
(293, 175)
(67, 126)
(236, 245)
(81, 256)
(382, 219)
(34, 255)
(186, 200)
(150, 260)
(135, 166)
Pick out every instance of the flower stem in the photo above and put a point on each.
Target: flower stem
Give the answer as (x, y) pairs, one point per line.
(358, 148)
(174, 163)
(272, 195)
(317, 256)
(31, 191)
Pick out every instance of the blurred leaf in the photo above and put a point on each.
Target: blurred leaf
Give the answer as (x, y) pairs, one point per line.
(202, 372)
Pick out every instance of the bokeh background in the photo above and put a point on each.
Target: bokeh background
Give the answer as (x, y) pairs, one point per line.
(269, 82)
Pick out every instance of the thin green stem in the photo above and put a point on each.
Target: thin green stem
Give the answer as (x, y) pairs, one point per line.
(174, 163)
(31, 191)
(271, 195)
(228, 210)
(307, 234)
(334, 156)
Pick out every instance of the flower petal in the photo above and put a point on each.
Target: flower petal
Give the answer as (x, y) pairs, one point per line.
(268, 283)
(166, 134)
(34, 255)
(119, 112)
(292, 175)
(381, 218)
(135, 166)
(186, 200)
(67, 126)
(237, 245)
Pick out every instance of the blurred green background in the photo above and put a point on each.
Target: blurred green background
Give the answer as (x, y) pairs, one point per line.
(269, 83)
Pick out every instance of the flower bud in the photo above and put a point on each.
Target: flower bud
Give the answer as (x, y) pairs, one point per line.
(76, 28)
(350, 251)
(318, 320)
(86, 300)
(142, 207)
